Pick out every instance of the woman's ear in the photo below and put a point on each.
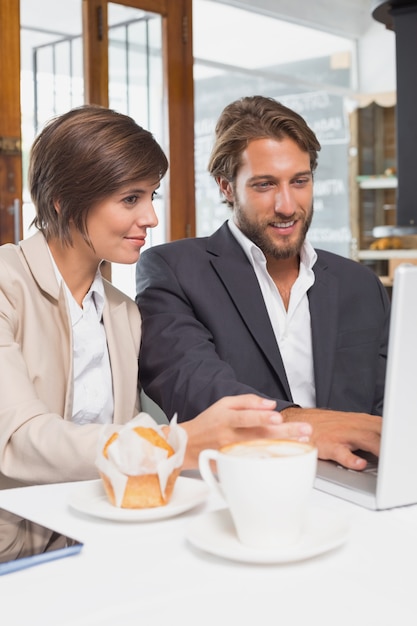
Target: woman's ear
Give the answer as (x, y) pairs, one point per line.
(56, 206)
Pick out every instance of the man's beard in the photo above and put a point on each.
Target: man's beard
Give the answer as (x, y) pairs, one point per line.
(256, 233)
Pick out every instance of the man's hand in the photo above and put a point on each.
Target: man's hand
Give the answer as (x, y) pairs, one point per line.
(338, 434)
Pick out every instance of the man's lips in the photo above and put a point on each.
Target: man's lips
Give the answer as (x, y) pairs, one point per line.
(283, 224)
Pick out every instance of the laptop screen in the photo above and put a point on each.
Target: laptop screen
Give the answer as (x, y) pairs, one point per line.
(396, 481)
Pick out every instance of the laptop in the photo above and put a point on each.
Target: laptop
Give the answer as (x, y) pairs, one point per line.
(393, 480)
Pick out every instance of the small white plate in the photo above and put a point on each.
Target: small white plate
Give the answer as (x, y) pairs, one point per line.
(215, 533)
(91, 498)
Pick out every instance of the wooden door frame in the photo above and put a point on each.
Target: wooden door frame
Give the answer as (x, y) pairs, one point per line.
(179, 95)
(10, 123)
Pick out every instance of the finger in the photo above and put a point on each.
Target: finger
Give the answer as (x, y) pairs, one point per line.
(248, 401)
(270, 425)
(249, 418)
(368, 441)
(300, 431)
(344, 456)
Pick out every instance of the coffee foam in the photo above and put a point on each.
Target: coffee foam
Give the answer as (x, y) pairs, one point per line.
(266, 449)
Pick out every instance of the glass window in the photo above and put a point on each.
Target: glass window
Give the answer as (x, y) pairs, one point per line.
(51, 72)
(311, 71)
(52, 83)
(136, 89)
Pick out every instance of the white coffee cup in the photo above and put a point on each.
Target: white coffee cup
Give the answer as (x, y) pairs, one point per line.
(267, 485)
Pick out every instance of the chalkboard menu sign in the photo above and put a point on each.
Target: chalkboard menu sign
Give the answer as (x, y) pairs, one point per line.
(326, 115)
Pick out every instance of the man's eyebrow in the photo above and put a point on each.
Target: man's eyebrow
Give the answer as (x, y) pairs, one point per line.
(261, 177)
(272, 177)
(305, 173)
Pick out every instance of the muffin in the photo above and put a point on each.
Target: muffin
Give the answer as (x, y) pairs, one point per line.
(139, 465)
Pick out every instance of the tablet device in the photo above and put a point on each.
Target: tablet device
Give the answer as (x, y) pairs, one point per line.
(24, 543)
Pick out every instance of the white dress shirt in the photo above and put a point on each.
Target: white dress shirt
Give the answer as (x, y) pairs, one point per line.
(292, 328)
(93, 386)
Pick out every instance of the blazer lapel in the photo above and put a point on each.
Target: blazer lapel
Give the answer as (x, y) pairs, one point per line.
(35, 251)
(234, 270)
(38, 259)
(323, 298)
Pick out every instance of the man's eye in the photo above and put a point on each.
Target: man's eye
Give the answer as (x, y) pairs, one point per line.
(263, 185)
(154, 195)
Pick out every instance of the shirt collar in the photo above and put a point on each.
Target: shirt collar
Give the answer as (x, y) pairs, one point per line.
(308, 255)
(95, 293)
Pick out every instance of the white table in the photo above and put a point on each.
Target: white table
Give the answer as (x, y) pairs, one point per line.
(147, 574)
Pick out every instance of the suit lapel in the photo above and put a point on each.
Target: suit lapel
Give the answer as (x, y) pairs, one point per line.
(234, 270)
(323, 298)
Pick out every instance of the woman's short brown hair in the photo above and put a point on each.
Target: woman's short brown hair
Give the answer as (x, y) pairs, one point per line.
(83, 156)
(256, 117)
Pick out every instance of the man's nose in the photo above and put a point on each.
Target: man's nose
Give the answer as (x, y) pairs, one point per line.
(284, 202)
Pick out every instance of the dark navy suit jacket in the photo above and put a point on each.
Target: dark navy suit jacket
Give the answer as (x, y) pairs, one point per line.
(206, 331)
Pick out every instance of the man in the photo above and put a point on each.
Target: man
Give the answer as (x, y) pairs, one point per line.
(254, 308)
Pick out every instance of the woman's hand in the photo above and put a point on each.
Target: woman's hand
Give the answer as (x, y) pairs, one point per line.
(238, 418)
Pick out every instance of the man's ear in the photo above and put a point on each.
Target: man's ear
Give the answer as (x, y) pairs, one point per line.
(226, 189)
(57, 206)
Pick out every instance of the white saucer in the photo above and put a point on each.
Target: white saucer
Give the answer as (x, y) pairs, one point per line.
(91, 498)
(215, 533)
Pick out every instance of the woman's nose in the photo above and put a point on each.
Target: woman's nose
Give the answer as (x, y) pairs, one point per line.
(147, 217)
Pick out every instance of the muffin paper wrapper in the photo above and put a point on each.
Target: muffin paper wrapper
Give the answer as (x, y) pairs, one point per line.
(132, 455)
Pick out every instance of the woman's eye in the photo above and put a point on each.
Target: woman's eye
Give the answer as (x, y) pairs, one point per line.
(154, 195)
(130, 199)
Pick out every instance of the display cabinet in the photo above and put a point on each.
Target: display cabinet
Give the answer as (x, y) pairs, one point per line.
(373, 191)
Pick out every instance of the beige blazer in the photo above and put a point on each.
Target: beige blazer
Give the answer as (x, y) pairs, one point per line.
(38, 442)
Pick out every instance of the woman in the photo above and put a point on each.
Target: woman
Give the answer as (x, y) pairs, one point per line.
(69, 340)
